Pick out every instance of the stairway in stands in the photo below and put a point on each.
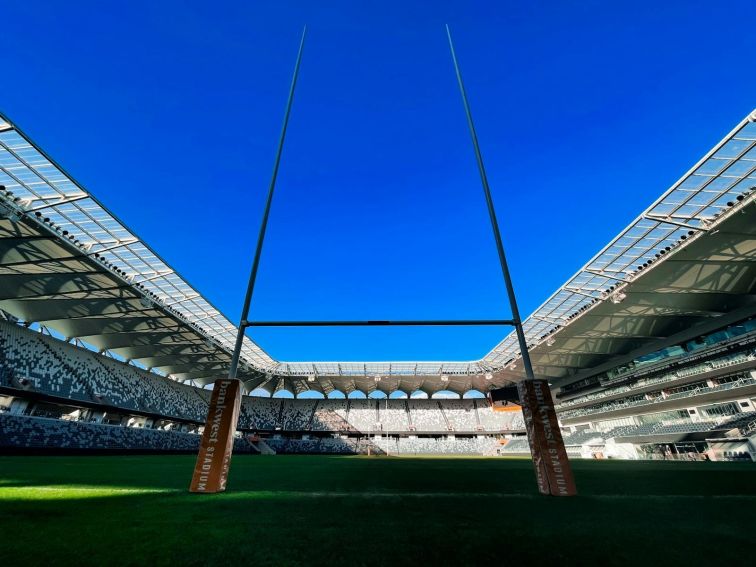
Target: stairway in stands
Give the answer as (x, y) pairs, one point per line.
(312, 415)
(478, 425)
(86, 386)
(280, 418)
(443, 414)
(262, 447)
(409, 415)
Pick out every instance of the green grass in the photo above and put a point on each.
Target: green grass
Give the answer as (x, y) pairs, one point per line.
(319, 510)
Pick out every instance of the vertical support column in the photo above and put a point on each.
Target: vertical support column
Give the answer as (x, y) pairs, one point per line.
(545, 439)
(212, 466)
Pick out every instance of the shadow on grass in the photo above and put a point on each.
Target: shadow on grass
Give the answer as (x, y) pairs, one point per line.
(313, 510)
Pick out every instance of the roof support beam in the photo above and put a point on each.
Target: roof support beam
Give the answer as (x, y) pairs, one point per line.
(667, 220)
(61, 201)
(579, 292)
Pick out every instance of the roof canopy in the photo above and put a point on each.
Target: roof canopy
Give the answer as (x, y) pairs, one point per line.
(70, 264)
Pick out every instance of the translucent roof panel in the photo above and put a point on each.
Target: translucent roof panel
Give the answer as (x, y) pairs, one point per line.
(693, 204)
(40, 186)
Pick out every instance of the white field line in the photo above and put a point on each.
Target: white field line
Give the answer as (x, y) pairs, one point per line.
(69, 488)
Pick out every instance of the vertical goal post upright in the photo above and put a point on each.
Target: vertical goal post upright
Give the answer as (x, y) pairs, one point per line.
(553, 470)
(211, 470)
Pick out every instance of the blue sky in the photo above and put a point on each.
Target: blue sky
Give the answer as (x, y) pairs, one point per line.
(169, 113)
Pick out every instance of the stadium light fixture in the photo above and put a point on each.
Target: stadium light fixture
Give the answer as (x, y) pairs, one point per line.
(619, 297)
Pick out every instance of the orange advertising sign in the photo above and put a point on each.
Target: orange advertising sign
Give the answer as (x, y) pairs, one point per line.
(553, 470)
(216, 446)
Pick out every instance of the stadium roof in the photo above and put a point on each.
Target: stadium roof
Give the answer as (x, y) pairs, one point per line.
(72, 265)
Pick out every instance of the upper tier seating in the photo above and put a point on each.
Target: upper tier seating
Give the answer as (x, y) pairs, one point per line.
(37, 363)
(32, 361)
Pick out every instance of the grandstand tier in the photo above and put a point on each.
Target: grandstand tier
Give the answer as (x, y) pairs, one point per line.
(649, 348)
(669, 271)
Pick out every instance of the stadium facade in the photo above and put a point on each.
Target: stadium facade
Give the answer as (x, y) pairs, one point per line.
(650, 347)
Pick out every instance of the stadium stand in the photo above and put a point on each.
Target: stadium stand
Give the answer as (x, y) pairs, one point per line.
(427, 420)
(297, 415)
(323, 445)
(640, 351)
(363, 415)
(34, 362)
(331, 415)
(697, 389)
(43, 371)
(516, 446)
(460, 415)
(391, 445)
(25, 432)
(393, 415)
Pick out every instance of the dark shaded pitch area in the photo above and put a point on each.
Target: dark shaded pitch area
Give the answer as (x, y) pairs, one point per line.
(328, 510)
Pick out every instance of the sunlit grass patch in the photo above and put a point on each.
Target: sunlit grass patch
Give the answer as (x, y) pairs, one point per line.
(71, 492)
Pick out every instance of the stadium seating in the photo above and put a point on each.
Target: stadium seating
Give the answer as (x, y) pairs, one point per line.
(580, 437)
(34, 363)
(491, 420)
(387, 445)
(39, 363)
(427, 420)
(363, 415)
(297, 414)
(324, 445)
(516, 446)
(692, 370)
(31, 362)
(443, 446)
(393, 415)
(723, 346)
(260, 414)
(665, 427)
(44, 433)
(461, 415)
(643, 400)
(331, 415)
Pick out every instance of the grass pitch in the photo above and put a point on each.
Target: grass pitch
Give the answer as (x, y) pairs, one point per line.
(323, 510)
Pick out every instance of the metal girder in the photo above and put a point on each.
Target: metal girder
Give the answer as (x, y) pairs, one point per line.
(191, 367)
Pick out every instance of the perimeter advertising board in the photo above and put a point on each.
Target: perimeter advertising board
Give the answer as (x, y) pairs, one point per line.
(553, 471)
(214, 458)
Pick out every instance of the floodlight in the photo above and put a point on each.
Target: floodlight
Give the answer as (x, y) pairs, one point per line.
(619, 297)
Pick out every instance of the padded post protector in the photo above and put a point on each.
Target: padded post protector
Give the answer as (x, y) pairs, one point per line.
(217, 444)
(553, 471)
